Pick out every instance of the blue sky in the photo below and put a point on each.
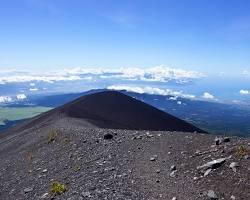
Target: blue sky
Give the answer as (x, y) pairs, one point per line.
(210, 36)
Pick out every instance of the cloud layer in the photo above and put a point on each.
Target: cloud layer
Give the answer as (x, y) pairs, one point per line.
(151, 90)
(155, 74)
(10, 99)
(208, 96)
(5, 99)
(244, 92)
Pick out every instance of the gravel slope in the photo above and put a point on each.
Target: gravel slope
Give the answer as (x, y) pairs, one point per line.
(131, 165)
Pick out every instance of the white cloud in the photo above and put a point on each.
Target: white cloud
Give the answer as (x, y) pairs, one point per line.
(207, 95)
(28, 77)
(150, 90)
(173, 98)
(21, 96)
(131, 73)
(162, 73)
(11, 99)
(85, 70)
(179, 102)
(88, 78)
(156, 74)
(244, 92)
(33, 89)
(5, 99)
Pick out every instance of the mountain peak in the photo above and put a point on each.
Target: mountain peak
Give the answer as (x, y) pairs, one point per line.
(112, 109)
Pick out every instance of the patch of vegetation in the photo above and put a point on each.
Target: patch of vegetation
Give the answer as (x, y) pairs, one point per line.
(52, 136)
(19, 113)
(66, 141)
(57, 188)
(29, 158)
(77, 166)
(241, 151)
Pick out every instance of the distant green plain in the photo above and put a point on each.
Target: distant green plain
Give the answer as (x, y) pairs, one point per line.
(19, 113)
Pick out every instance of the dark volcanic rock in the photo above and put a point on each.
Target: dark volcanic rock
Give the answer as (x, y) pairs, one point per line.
(112, 109)
(108, 136)
(226, 139)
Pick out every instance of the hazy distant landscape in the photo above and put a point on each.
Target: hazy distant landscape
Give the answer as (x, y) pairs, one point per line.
(8, 115)
(214, 117)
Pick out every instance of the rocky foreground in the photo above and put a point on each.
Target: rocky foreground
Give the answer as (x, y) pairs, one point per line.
(66, 161)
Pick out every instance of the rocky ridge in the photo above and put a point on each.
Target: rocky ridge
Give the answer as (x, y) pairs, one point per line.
(122, 164)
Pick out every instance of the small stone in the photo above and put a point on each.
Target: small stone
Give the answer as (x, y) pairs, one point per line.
(233, 166)
(29, 189)
(152, 159)
(45, 195)
(108, 136)
(233, 197)
(86, 194)
(174, 198)
(172, 174)
(218, 141)
(44, 171)
(149, 135)
(92, 188)
(211, 194)
(139, 137)
(13, 190)
(197, 152)
(207, 172)
(173, 167)
(226, 139)
(213, 164)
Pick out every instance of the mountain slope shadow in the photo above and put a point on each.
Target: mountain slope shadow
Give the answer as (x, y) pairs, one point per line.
(109, 109)
(112, 109)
